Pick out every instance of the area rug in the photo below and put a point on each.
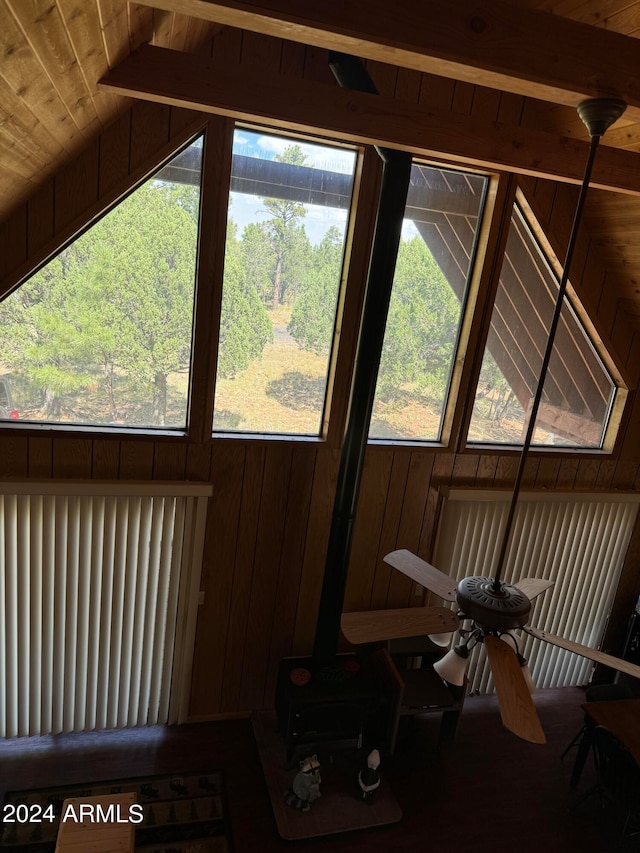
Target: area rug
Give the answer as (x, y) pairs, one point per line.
(181, 814)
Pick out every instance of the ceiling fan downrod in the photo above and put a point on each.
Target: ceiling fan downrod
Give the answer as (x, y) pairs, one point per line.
(598, 114)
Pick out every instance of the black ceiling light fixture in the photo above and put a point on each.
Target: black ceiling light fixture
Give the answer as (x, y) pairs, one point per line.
(496, 608)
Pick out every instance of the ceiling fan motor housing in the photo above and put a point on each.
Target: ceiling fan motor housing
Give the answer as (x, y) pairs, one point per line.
(500, 609)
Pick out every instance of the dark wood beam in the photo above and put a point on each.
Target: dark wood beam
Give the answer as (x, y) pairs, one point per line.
(492, 43)
(157, 74)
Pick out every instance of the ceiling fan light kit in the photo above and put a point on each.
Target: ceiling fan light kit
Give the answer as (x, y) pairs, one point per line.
(494, 607)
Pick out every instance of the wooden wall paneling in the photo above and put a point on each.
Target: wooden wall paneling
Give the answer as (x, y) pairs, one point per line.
(486, 103)
(243, 574)
(179, 31)
(587, 474)
(40, 226)
(291, 558)
(141, 25)
(198, 466)
(292, 59)
(262, 602)
(316, 65)
(40, 463)
(396, 494)
(72, 458)
(412, 514)
(76, 187)
(436, 92)
(226, 47)
(136, 460)
(462, 101)
(547, 472)
(511, 108)
(169, 460)
(606, 473)
(408, 85)
(544, 194)
(486, 470)
(440, 476)
(15, 456)
(161, 27)
(105, 459)
(114, 154)
(261, 52)
(506, 472)
(149, 130)
(367, 528)
(465, 467)
(606, 306)
(181, 120)
(530, 472)
(384, 76)
(315, 552)
(218, 578)
(567, 473)
(13, 241)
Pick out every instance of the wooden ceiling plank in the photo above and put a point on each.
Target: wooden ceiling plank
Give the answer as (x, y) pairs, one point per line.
(83, 27)
(156, 74)
(493, 43)
(45, 33)
(140, 22)
(114, 22)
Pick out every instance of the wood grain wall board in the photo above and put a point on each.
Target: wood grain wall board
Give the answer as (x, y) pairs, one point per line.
(316, 65)
(149, 126)
(414, 505)
(436, 92)
(105, 459)
(408, 85)
(244, 563)
(198, 467)
(227, 48)
(567, 474)
(40, 464)
(462, 102)
(169, 460)
(530, 472)
(315, 552)
(136, 459)
(76, 189)
(114, 154)
(367, 529)
(180, 31)
(548, 470)
(72, 458)
(15, 457)
(291, 560)
(506, 471)
(292, 59)
(440, 477)
(383, 76)
(262, 601)
(262, 53)
(606, 473)
(161, 27)
(486, 470)
(40, 227)
(389, 530)
(587, 474)
(486, 103)
(13, 242)
(465, 467)
(218, 570)
(511, 108)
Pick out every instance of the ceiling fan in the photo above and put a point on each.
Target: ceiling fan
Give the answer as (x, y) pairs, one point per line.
(494, 608)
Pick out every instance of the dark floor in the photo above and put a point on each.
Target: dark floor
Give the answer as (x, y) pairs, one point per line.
(494, 793)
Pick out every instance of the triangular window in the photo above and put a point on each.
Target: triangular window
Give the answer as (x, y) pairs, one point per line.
(101, 335)
(579, 390)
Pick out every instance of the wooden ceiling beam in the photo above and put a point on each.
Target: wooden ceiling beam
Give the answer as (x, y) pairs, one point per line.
(492, 43)
(157, 74)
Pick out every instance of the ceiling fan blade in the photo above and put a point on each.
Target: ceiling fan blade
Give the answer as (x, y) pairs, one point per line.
(371, 626)
(532, 586)
(585, 651)
(518, 712)
(423, 573)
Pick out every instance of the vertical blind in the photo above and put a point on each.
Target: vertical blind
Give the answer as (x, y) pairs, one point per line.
(578, 541)
(98, 597)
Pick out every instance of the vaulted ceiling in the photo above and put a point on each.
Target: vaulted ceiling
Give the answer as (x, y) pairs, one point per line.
(506, 75)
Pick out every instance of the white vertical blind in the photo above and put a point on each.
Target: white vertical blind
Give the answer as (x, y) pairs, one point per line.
(98, 597)
(578, 541)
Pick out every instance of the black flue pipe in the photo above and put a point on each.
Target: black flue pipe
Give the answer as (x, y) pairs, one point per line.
(351, 74)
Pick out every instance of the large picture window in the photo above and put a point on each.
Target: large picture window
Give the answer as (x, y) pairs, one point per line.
(288, 212)
(578, 392)
(102, 334)
(430, 289)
